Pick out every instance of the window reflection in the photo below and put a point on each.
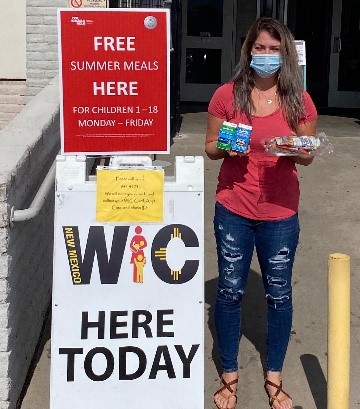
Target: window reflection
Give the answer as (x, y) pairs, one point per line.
(203, 66)
(205, 18)
(349, 57)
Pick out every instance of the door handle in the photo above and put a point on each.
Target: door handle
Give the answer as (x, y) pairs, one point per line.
(337, 45)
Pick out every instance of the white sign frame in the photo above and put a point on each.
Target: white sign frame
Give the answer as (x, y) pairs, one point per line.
(87, 360)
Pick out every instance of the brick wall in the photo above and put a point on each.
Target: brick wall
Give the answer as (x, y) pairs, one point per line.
(12, 100)
(28, 146)
(41, 43)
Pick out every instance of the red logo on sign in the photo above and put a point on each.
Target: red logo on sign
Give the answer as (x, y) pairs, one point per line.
(76, 3)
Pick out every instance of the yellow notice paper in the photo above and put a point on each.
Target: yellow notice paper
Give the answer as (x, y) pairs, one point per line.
(130, 195)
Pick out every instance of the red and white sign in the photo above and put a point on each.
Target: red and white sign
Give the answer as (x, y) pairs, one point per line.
(88, 3)
(114, 80)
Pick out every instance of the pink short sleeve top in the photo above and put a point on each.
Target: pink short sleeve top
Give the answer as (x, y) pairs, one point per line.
(258, 186)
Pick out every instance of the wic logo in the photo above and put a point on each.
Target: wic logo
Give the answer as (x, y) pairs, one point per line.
(109, 267)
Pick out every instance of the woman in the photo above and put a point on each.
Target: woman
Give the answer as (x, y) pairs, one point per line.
(257, 197)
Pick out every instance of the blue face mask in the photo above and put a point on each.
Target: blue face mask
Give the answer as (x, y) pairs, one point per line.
(266, 65)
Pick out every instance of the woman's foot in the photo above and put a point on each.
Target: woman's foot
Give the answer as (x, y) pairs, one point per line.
(225, 397)
(278, 398)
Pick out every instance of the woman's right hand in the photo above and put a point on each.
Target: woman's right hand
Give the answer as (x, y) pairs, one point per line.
(212, 134)
(235, 153)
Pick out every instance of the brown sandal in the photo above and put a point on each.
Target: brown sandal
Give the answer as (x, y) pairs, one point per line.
(273, 398)
(227, 386)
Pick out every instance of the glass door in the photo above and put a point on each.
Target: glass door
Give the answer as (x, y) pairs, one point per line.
(344, 77)
(207, 47)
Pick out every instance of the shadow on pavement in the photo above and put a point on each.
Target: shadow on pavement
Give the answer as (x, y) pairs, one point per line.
(342, 112)
(45, 335)
(316, 379)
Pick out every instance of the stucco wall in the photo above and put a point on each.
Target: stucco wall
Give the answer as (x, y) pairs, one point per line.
(28, 146)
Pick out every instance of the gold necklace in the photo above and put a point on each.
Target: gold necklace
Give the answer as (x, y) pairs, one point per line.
(269, 100)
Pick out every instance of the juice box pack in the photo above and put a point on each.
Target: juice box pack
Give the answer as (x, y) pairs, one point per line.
(235, 137)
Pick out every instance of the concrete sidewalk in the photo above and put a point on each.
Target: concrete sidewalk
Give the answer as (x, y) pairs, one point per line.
(330, 222)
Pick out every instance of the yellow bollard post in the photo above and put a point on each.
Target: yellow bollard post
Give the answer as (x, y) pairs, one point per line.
(338, 381)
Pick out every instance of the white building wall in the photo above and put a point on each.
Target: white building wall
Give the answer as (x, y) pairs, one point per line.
(12, 59)
(12, 39)
(41, 43)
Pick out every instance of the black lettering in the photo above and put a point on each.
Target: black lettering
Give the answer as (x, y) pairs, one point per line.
(109, 364)
(162, 350)
(123, 351)
(186, 361)
(160, 264)
(109, 268)
(144, 324)
(161, 323)
(114, 324)
(70, 352)
(100, 325)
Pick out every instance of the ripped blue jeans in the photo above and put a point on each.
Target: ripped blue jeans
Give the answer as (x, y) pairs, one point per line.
(275, 243)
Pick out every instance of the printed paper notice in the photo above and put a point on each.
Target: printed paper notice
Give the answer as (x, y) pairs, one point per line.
(125, 195)
(300, 48)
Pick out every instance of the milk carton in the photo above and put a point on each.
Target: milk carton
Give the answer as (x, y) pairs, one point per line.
(226, 136)
(241, 139)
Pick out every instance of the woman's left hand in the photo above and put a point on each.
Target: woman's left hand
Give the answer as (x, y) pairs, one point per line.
(309, 129)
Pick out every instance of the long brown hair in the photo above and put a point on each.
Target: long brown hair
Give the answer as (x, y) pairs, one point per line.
(289, 85)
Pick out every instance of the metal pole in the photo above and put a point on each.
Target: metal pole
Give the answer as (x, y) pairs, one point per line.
(338, 331)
